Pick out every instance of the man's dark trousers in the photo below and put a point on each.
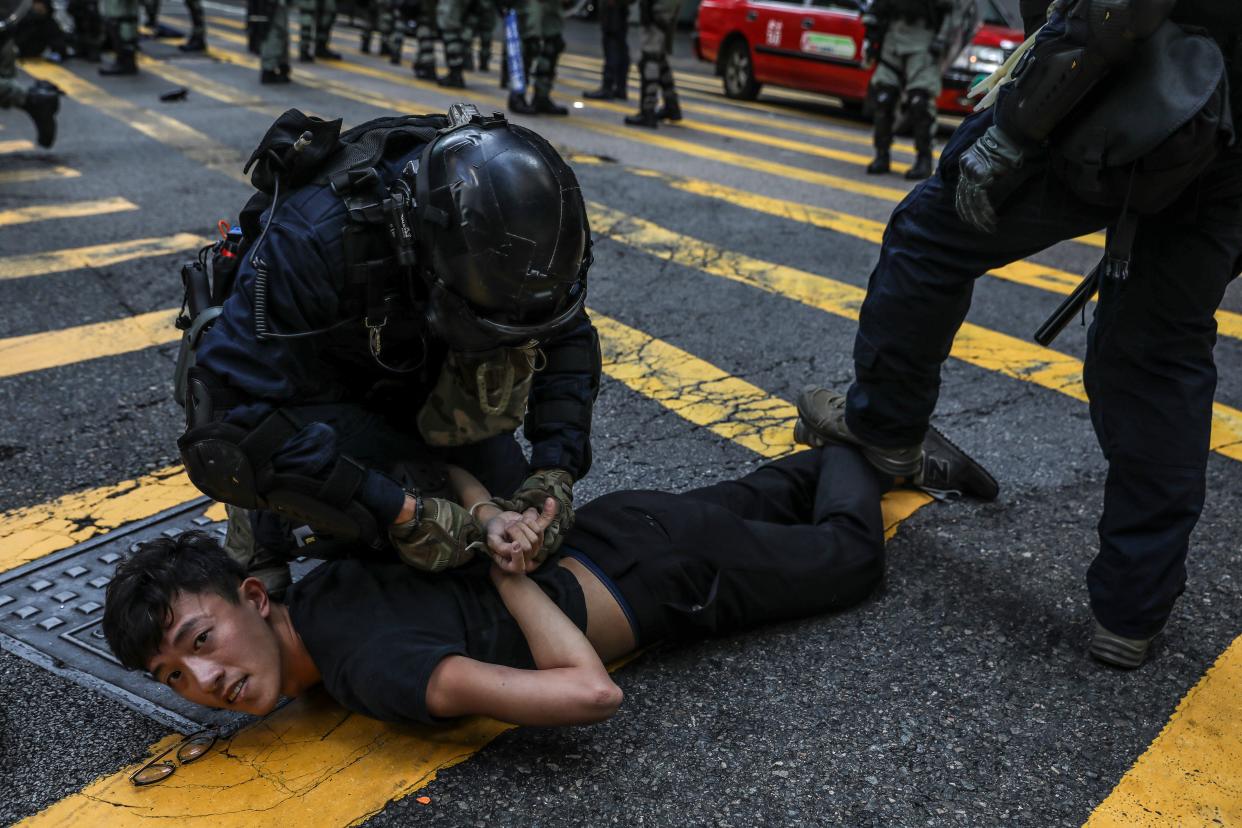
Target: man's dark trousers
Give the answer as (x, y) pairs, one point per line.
(1149, 371)
(614, 21)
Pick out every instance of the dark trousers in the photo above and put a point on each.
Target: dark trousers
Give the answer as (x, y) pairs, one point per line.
(797, 537)
(1149, 371)
(614, 20)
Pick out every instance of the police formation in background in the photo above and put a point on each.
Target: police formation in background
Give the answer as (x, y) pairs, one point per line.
(393, 295)
(1117, 114)
(909, 40)
(40, 100)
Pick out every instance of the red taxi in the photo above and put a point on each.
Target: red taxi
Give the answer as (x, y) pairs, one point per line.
(817, 46)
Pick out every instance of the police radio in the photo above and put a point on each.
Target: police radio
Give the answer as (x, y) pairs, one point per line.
(207, 281)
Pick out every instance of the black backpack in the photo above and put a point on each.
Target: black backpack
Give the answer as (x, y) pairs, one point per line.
(1147, 132)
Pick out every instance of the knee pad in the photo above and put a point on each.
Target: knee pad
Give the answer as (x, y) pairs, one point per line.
(919, 105)
(884, 97)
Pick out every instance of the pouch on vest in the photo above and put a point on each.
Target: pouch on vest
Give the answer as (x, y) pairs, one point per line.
(478, 396)
(1146, 133)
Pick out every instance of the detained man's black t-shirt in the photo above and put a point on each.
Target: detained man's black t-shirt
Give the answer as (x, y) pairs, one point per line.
(376, 631)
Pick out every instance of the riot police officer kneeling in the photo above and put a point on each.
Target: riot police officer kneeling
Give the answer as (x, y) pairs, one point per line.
(415, 291)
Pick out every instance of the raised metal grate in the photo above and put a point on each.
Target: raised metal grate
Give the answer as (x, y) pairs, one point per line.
(51, 611)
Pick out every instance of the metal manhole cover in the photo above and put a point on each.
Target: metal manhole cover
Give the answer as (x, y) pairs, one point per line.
(51, 611)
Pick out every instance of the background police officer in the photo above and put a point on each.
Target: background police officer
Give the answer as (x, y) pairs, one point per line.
(40, 101)
(334, 359)
(614, 25)
(121, 24)
(315, 21)
(659, 19)
(541, 25)
(1149, 370)
(908, 38)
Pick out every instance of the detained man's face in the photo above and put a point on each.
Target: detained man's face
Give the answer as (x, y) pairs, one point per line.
(219, 654)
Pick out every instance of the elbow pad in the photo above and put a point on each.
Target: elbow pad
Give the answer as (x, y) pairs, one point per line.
(1055, 75)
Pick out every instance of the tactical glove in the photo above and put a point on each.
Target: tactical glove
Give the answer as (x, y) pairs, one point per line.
(990, 170)
(440, 536)
(556, 484)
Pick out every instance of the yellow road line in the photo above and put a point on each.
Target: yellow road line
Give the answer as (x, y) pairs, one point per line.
(1192, 773)
(313, 763)
(68, 209)
(40, 174)
(15, 145)
(169, 131)
(98, 255)
(40, 351)
(978, 346)
(201, 84)
(1028, 273)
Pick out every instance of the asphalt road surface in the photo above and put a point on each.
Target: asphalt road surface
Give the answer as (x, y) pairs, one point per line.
(731, 253)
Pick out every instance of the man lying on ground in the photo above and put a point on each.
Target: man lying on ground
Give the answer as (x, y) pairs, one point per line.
(797, 537)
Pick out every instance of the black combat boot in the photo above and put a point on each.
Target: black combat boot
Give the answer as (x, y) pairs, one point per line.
(453, 80)
(41, 104)
(921, 168)
(267, 76)
(322, 51)
(305, 55)
(518, 104)
(885, 101)
(604, 93)
(125, 64)
(882, 162)
(671, 111)
(364, 44)
(544, 105)
(425, 71)
(195, 43)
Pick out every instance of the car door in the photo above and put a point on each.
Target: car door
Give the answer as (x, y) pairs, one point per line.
(830, 41)
(773, 34)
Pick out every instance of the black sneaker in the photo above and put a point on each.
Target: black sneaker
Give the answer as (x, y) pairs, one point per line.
(949, 473)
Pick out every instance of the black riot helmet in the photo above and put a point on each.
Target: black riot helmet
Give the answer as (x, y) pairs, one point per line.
(502, 231)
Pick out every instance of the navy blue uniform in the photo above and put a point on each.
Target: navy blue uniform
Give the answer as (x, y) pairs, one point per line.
(344, 401)
(1149, 369)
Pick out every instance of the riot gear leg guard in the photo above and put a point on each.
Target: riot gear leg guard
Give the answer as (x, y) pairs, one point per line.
(649, 96)
(125, 36)
(884, 105)
(922, 121)
(671, 111)
(544, 70)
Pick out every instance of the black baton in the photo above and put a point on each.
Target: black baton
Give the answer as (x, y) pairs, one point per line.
(1069, 308)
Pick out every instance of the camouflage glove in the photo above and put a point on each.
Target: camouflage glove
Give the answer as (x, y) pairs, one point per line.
(556, 484)
(441, 535)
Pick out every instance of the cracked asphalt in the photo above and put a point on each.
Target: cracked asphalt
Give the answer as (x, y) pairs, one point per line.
(958, 694)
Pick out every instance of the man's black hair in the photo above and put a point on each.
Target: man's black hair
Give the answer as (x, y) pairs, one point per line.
(138, 606)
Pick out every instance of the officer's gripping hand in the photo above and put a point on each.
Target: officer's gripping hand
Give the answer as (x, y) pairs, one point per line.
(441, 535)
(557, 484)
(990, 170)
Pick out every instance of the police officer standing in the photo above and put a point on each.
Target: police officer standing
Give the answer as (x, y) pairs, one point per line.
(197, 40)
(541, 24)
(908, 39)
(410, 307)
(121, 24)
(614, 24)
(384, 18)
(315, 30)
(40, 101)
(267, 27)
(451, 21)
(659, 19)
(1008, 185)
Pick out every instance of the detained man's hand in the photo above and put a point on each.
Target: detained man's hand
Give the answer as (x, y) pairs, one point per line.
(511, 542)
(537, 524)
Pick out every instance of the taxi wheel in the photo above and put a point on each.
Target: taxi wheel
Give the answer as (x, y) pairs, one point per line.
(739, 72)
